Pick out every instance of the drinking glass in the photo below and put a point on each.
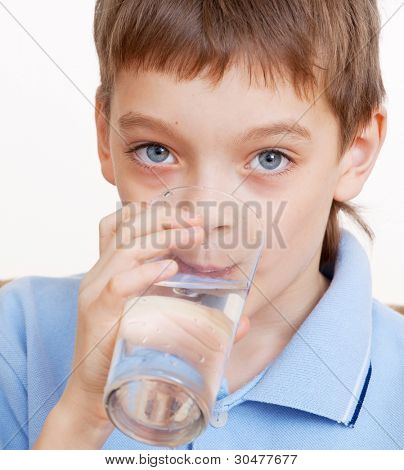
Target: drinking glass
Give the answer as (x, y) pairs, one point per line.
(174, 340)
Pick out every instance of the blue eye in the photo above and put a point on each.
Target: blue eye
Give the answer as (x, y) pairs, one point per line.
(271, 161)
(150, 154)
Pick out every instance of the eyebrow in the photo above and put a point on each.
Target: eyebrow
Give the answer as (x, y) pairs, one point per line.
(132, 119)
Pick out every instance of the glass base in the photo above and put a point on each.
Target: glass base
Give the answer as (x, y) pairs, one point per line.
(154, 406)
(155, 412)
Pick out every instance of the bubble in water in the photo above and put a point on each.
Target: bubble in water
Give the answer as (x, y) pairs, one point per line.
(175, 405)
(149, 408)
(144, 339)
(186, 292)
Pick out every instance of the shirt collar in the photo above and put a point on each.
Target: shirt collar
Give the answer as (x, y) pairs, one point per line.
(325, 368)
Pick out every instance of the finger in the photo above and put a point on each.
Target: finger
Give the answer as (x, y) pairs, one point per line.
(243, 328)
(150, 220)
(134, 282)
(147, 247)
(107, 228)
(193, 332)
(125, 259)
(110, 304)
(112, 236)
(109, 224)
(160, 243)
(169, 325)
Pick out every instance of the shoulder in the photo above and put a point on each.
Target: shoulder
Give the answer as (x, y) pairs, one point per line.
(25, 295)
(388, 341)
(43, 288)
(37, 330)
(385, 390)
(31, 284)
(387, 321)
(35, 305)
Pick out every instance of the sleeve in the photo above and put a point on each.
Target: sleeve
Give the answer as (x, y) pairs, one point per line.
(13, 366)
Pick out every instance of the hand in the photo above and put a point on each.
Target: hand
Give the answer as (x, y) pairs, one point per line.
(119, 273)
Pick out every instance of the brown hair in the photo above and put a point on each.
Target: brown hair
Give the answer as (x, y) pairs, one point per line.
(320, 44)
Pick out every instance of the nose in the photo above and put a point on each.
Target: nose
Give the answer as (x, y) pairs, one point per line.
(216, 209)
(214, 171)
(217, 214)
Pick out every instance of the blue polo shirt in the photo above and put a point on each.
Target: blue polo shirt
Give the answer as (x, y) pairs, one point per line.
(338, 383)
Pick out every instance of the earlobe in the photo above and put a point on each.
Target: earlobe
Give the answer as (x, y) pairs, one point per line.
(358, 161)
(103, 145)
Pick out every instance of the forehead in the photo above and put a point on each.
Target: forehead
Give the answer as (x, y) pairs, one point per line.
(234, 101)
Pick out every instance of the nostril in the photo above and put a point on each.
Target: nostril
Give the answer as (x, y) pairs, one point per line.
(222, 227)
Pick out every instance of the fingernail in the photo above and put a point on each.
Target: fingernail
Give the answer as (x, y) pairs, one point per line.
(190, 216)
(195, 228)
(167, 263)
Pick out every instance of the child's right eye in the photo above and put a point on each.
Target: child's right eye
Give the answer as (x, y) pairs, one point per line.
(150, 154)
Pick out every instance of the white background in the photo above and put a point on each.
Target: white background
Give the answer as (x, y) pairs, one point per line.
(52, 193)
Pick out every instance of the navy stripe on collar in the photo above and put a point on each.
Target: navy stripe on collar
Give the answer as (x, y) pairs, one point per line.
(361, 398)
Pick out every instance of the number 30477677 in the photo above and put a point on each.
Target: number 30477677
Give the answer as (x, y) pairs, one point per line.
(265, 459)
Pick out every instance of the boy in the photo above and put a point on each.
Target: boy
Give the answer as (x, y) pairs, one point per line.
(272, 101)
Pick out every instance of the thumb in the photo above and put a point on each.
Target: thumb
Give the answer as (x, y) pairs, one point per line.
(243, 328)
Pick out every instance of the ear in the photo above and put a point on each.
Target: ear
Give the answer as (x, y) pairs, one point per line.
(359, 160)
(102, 127)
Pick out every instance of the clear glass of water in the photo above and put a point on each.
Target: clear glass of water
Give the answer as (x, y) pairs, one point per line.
(174, 340)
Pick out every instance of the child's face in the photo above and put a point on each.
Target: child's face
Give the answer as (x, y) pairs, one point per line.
(206, 147)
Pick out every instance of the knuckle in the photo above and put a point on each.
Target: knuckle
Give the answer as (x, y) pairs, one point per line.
(168, 215)
(179, 237)
(113, 286)
(145, 271)
(84, 298)
(127, 259)
(105, 224)
(123, 239)
(134, 208)
(101, 226)
(163, 237)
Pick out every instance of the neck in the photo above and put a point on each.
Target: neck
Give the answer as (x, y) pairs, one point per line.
(273, 324)
(283, 315)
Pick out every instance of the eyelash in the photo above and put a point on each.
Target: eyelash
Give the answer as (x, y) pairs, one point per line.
(136, 159)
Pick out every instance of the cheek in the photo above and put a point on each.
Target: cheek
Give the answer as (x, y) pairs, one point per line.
(295, 225)
(306, 222)
(301, 212)
(307, 204)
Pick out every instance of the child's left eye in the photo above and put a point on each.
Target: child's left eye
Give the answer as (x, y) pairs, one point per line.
(271, 162)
